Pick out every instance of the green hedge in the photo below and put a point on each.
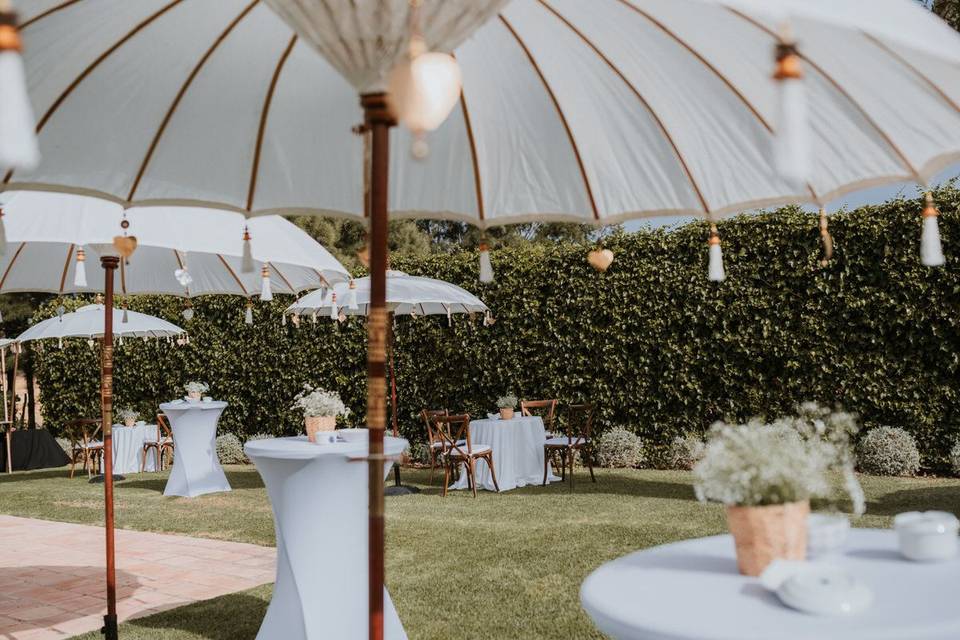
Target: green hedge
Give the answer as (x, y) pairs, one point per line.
(652, 342)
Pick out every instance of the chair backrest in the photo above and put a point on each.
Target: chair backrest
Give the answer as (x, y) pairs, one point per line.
(543, 408)
(163, 428)
(428, 416)
(82, 430)
(452, 429)
(579, 421)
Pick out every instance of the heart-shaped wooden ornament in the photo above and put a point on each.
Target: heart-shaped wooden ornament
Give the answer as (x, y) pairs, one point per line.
(125, 245)
(600, 259)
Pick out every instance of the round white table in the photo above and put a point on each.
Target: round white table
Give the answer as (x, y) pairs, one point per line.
(196, 469)
(319, 498)
(691, 590)
(517, 453)
(128, 448)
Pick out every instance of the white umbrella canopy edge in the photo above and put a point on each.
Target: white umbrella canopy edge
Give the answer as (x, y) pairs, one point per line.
(87, 322)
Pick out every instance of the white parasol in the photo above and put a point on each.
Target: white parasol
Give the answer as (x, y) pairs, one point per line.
(87, 322)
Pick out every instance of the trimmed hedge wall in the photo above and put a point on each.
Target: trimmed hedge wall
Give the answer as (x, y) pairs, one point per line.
(652, 342)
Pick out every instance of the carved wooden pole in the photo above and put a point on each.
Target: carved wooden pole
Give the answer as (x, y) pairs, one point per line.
(109, 264)
(377, 120)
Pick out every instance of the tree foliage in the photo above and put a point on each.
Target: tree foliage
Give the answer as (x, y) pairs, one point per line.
(652, 342)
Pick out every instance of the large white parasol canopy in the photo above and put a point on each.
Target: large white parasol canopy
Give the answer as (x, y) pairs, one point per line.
(579, 111)
(406, 295)
(44, 231)
(87, 322)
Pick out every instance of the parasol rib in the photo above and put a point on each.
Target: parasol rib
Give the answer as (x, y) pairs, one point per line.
(16, 255)
(66, 267)
(48, 12)
(473, 155)
(914, 70)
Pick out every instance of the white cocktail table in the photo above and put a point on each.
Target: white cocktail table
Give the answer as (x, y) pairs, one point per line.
(319, 498)
(517, 453)
(128, 448)
(691, 590)
(196, 469)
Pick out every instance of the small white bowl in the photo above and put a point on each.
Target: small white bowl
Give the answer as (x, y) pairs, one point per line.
(140, 423)
(354, 435)
(826, 533)
(208, 398)
(927, 536)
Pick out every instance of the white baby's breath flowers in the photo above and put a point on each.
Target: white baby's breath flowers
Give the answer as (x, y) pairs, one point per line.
(794, 458)
(196, 387)
(318, 402)
(507, 401)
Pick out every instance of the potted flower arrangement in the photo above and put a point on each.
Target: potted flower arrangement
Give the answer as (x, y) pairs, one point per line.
(195, 390)
(507, 403)
(129, 416)
(320, 409)
(766, 475)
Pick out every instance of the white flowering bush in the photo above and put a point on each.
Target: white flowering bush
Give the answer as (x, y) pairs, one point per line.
(792, 459)
(507, 401)
(319, 402)
(888, 451)
(955, 458)
(128, 414)
(685, 452)
(196, 387)
(619, 448)
(261, 436)
(230, 449)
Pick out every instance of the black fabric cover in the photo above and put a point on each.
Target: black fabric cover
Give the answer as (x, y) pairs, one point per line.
(32, 449)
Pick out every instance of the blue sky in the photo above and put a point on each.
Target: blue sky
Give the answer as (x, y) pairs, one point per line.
(853, 200)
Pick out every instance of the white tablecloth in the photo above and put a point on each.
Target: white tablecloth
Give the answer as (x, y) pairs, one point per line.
(128, 448)
(691, 591)
(196, 469)
(517, 453)
(319, 499)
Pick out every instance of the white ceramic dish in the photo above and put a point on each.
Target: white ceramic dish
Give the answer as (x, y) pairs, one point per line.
(191, 400)
(354, 435)
(817, 589)
(927, 536)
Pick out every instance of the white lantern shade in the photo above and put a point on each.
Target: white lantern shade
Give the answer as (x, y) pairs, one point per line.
(424, 90)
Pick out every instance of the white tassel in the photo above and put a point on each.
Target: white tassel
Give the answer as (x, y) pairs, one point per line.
(18, 139)
(931, 249)
(266, 293)
(60, 311)
(80, 273)
(1, 316)
(486, 268)
(125, 319)
(826, 238)
(248, 315)
(352, 296)
(313, 317)
(60, 343)
(246, 265)
(3, 232)
(716, 272)
(792, 131)
(333, 306)
(449, 317)
(283, 320)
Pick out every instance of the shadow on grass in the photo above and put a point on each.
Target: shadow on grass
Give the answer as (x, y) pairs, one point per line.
(236, 616)
(237, 480)
(46, 474)
(934, 498)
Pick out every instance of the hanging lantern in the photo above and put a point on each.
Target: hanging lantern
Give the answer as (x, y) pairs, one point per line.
(791, 133)
(486, 268)
(341, 317)
(248, 314)
(187, 312)
(333, 306)
(313, 317)
(715, 271)
(80, 273)
(423, 89)
(266, 293)
(246, 265)
(183, 275)
(352, 296)
(18, 139)
(931, 250)
(826, 239)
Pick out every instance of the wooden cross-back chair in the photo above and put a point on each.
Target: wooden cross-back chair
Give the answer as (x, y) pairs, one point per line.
(84, 446)
(543, 408)
(436, 444)
(162, 444)
(578, 430)
(457, 450)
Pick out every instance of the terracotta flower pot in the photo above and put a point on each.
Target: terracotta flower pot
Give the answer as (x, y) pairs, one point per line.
(318, 423)
(506, 413)
(129, 422)
(193, 395)
(765, 534)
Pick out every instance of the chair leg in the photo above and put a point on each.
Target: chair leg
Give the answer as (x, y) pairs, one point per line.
(471, 470)
(589, 461)
(571, 453)
(446, 478)
(546, 462)
(73, 463)
(433, 465)
(493, 473)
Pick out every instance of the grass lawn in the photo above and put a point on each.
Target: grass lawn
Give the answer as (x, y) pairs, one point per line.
(510, 565)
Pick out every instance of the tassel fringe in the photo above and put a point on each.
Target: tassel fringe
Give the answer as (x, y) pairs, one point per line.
(246, 265)
(931, 249)
(716, 272)
(18, 140)
(792, 138)
(248, 314)
(486, 268)
(80, 273)
(826, 239)
(266, 293)
(352, 296)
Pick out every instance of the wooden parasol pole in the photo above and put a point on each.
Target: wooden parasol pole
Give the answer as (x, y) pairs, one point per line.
(109, 264)
(377, 121)
(393, 396)
(6, 414)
